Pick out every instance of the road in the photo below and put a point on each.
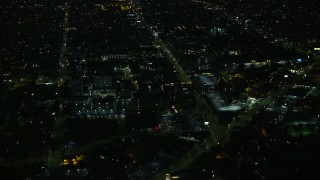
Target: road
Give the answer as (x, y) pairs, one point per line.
(55, 156)
(251, 27)
(207, 111)
(217, 131)
(219, 134)
(184, 78)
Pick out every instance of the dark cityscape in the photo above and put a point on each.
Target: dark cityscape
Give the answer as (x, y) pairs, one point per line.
(160, 89)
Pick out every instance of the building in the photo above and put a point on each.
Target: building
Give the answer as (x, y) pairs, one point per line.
(102, 82)
(204, 62)
(205, 84)
(77, 88)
